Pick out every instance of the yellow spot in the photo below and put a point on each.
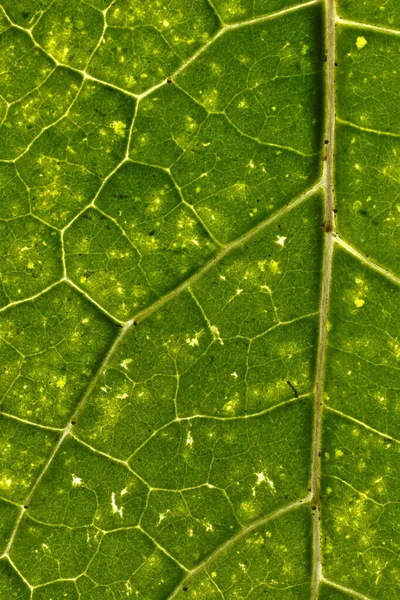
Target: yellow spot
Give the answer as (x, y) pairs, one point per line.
(274, 266)
(361, 42)
(61, 381)
(118, 128)
(359, 302)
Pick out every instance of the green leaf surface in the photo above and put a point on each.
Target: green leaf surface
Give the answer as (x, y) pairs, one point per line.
(199, 269)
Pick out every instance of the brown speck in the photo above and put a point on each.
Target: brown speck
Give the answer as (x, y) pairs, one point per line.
(169, 80)
(296, 395)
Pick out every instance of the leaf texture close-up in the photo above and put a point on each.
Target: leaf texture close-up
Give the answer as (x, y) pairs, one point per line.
(199, 299)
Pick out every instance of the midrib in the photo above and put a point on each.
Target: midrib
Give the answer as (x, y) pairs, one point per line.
(330, 18)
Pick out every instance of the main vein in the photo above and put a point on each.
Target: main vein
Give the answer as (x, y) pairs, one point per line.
(330, 16)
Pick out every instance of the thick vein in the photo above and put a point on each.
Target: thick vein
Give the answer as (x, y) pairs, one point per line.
(214, 555)
(386, 436)
(32, 423)
(83, 293)
(366, 260)
(326, 282)
(366, 26)
(345, 589)
(368, 129)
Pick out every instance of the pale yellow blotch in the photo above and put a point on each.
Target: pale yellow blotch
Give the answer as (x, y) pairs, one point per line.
(281, 241)
(119, 128)
(114, 506)
(274, 266)
(61, 382)
(359, 302)
(361, 42)
(5, 482)
(195, 340)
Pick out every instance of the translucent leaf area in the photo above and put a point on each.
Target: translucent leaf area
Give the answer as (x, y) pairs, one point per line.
(199, 299)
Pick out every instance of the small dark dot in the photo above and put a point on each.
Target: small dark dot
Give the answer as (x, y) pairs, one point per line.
(335, 210)
(169, 80)
(336, 64)
(326, 141)
(135, 323)
(26, 506)
(73, 422)
(185, 589)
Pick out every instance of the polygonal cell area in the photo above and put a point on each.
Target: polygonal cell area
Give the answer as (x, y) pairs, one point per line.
(368, 84)
(202, 517)
(52, 347)
(251, 565)
(129, 563)
(25, 12)
(145, 244)
(30, 258)
(165, 40)
(362, 364)
(187, 26)
(64, 168)
(166, 123)
(70, 31)
(11, 584)
(360, 520)
(12, 186)
(53, 591)
(266, 454)
(27, 118)
(232, 181)
(82, 488)
(86, 512)
(44, 554)
(367, 168)
(267, 78)
(24, 452)
(225, 348)
(8, 512)
(24, 67)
